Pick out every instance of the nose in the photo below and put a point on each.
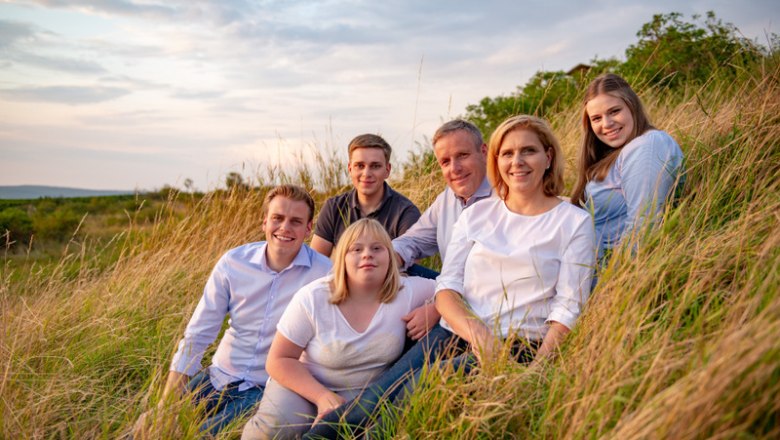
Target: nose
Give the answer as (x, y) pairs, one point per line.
(606, 121)
(456, 166)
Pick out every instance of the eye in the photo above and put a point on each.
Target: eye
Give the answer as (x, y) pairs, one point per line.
(444, 163)
(595, 119)
(506, 153)
(375, 166)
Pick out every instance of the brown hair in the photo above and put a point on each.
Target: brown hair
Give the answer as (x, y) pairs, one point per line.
(552, 183)
(339, 289)
(292, 192)
(370, 141)
(596, 157)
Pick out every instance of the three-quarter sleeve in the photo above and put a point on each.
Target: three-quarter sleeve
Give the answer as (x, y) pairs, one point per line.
(457, 253)
(572, 288)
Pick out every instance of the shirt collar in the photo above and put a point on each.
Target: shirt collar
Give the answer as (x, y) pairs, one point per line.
(353, 199)
(303, 258)
(484, 190)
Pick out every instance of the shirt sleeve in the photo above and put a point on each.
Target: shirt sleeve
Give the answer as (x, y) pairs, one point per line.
(205, 324)
(419, 240)
(574, 278)
(649, 173)
(409, 217)
(325, 227)
(422, 290)
(454, 263)
(297, 321)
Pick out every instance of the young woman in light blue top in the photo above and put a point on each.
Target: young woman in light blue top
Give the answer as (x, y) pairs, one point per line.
(627, 167)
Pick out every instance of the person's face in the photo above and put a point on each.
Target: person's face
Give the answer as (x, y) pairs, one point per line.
(522, 161)
(367, 261)
(610, 119)
(286, 224)
(368, 169)
(463, 165)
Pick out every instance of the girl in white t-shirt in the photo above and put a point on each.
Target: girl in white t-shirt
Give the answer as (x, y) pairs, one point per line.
(338, 334)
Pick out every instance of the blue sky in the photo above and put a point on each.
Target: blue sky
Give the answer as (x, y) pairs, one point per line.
(124, 94)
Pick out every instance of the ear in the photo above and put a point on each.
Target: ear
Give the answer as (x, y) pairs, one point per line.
(548, 153)
(483, 149)
(308, 229)
(389, 167)
(262, 227)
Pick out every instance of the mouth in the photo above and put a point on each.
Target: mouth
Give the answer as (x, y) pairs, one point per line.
(519, 174)
(613, 133)
(283, 239)
(460, 179)
(367, 266)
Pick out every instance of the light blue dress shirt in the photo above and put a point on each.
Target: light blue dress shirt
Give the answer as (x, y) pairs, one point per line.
(432, 232)
(254, 295)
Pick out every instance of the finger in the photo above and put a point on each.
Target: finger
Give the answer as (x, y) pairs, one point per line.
(407, 317)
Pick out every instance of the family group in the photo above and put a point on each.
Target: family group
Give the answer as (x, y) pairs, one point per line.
(319, 336)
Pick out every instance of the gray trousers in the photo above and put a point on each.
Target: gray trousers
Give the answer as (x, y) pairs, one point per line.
(284, 414)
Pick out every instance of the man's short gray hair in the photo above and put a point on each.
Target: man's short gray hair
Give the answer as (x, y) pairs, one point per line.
(459, 124)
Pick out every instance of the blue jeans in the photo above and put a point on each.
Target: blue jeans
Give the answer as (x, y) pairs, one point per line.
(356, 413)
(415, 270)
(222, 406)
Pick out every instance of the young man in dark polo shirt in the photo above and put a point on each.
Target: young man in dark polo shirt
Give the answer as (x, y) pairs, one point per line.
(372, 197)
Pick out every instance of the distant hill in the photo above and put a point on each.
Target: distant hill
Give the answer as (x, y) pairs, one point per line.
(38, 191)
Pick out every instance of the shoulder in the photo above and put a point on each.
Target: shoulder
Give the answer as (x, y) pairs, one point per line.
(336, 200)
(653, 142)
(400, 200)
(318, 261)
(315, 294)
(573, 213)
(487, 207)
(246, 252)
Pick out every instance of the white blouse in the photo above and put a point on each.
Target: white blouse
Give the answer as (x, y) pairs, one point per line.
(519, 272)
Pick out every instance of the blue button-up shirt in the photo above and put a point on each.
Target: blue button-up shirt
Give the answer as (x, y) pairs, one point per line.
(254, 295)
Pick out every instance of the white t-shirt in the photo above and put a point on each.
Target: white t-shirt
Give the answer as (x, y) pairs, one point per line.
(337, 355)
(518, 272)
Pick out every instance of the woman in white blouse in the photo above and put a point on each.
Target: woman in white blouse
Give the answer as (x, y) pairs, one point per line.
(519, 264)
(338, 334)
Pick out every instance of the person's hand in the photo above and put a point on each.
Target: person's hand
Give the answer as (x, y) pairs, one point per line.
(486, 348)
(141, 428)
(327, 402)
(421, 320)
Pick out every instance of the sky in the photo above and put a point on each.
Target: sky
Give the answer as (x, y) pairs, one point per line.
(137, 94)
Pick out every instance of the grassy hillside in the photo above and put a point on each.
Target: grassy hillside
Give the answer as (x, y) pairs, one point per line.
(679, 340)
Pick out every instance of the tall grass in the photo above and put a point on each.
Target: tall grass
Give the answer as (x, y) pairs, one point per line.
(681, 339)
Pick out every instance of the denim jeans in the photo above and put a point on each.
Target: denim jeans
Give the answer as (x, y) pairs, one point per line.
(222, 406)
(415, 270)
(359, 411)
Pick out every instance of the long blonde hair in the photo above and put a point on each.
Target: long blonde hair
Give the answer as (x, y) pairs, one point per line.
(339, 289)
(596, 157)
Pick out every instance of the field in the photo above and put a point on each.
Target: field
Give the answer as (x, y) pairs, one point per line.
(681, 339)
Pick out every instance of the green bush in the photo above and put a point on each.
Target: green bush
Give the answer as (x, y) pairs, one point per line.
(16, 227)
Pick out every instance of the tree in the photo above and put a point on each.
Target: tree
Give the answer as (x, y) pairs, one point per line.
(16, 227)
(671, 52)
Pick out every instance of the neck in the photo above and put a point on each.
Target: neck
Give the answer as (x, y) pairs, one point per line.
(530, 204)
(369, 204)
(278, 261)
(362, 293)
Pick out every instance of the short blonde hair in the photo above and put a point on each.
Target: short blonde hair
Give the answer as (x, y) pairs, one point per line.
(370, 141)
(339, 289)
(552, 183)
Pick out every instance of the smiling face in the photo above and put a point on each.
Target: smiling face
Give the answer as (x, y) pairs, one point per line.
(367, 261)
(368, 169)
(611, 120)
(462, 163)
(286, 225)
(522, 161)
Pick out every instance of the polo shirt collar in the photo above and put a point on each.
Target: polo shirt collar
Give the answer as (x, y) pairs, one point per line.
(353, 199)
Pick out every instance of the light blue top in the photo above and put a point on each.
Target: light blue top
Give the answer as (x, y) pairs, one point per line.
(432, 232)
(636, 188)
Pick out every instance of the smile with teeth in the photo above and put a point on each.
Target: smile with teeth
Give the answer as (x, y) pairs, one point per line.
(520, 173)
(283, 238)
(612, 133)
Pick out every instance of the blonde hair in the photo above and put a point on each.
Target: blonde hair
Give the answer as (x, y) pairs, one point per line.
(292, 192)
(339, 289)
(370, 141)
(552, 182)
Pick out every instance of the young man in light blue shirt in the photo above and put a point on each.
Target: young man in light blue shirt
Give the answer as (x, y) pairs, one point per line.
(252, 283)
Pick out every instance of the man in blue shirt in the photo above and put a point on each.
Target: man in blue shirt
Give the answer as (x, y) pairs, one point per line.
(252, 283)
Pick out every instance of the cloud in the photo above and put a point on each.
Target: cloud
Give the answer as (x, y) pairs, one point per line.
(73, 95)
